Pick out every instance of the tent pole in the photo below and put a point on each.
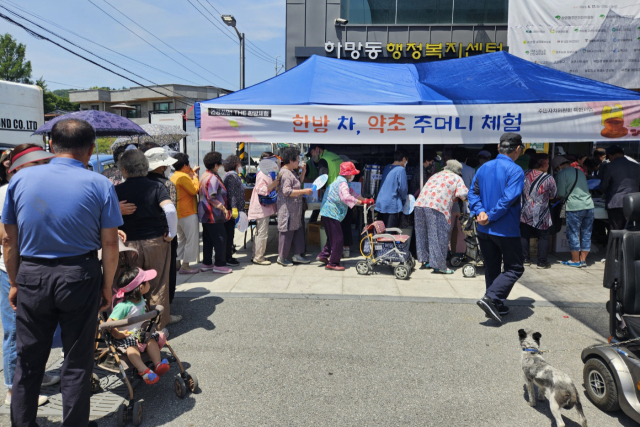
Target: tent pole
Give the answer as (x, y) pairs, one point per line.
(198, 133)
(97, 157)
(421, 166)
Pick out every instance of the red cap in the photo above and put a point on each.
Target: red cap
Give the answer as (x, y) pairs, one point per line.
(348, 168)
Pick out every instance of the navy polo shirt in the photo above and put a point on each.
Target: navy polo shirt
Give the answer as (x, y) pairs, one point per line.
(60, 209)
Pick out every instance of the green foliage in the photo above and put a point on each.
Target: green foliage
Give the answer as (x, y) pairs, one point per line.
(13, 66)
(54, 102)
(635, 123)
(104, 145)
(62, 93)
(102, 88)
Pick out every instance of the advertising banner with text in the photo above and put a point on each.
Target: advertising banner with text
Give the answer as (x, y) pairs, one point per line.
(596, 39)
(421, 124)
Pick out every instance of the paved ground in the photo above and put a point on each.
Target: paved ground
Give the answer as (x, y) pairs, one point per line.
(306, 346)
(558, 285)
(275, 362)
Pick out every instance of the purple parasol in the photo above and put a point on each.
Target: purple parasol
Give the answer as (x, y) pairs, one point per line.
(105, 124)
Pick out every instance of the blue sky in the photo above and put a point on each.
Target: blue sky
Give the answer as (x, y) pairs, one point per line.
(176, 22)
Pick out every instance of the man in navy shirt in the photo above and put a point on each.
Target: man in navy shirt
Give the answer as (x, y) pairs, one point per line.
(494, 197)
(56, 217)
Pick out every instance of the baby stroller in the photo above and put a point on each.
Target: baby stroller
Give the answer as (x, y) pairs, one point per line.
(473, 254)
(612, 371)
(380, 247)
(107, 357)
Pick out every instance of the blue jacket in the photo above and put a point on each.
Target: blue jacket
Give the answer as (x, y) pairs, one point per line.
(393, 191)
(496, 190)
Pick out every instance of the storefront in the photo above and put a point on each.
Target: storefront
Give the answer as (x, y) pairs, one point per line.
(394, 31)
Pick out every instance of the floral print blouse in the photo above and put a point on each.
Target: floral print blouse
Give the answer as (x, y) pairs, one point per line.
(438, 193)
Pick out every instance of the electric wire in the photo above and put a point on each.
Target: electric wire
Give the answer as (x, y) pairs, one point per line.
(95, 43)
(226, 34)
(91, 53)
(42, 37)
(161, 41)
(150, 44)
(248, 41)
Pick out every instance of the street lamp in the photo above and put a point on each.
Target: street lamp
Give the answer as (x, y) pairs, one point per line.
(231, 21)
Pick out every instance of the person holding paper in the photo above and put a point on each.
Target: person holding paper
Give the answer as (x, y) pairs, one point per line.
(262, 206)
(338, 198)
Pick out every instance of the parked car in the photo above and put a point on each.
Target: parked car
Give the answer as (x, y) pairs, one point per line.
(106, 162)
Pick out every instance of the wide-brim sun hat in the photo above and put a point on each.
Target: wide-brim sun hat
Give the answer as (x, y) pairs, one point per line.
(158, 157)
(557, 161)
(143, 276)
(30, 155)
(348, 168)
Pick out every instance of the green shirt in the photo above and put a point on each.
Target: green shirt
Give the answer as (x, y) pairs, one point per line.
(122, 309)
(333, 162)
(523, 161)
(580, 198)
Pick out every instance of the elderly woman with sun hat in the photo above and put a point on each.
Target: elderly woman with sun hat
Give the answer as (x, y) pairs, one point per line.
(337, 199)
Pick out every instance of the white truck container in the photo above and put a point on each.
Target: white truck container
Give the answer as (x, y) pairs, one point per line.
(21, 113)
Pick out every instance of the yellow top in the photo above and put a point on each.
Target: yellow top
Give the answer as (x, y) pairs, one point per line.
(187, 188)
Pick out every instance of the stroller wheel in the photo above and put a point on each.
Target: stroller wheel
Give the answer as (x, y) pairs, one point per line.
(192, 382)
(402, 272)
(469, 270)
(122, 415)
(180, 387)
(455, 261)
(137, 414)
(362, 267)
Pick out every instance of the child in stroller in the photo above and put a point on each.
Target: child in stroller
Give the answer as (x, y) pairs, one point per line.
(132, 285)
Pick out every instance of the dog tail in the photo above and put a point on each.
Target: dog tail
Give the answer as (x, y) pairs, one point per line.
(583, 419)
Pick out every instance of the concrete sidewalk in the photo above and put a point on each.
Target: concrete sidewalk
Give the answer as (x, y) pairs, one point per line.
(560, 285)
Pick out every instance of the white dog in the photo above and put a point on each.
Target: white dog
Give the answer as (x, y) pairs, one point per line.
(552, 383)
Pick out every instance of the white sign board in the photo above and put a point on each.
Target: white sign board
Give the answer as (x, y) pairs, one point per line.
(21, 113)
(422, 124)
(599, 40)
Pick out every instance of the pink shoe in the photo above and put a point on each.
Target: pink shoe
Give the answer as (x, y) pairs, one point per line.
(206, 267)
(193, 271)
(221, 270)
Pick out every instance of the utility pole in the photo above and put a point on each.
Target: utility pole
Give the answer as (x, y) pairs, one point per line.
(241, 35)
(277, 65)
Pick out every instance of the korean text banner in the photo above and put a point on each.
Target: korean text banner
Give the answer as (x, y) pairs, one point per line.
(421, 124)
(596, 39)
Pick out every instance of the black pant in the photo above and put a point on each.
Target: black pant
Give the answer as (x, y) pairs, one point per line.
(346, 223)
(214, 237)
(617, 221)
(496, 250)
(230, 228)
(50, 292)
(172, 269)
(526, 231)
(391, 220)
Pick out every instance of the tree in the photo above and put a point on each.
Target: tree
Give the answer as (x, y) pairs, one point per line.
(54, 102)
(13, 66)
(104, 145)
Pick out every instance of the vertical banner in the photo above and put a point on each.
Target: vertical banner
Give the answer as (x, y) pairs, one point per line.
(596, 39)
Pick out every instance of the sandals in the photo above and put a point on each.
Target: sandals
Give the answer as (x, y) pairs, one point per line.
(149, 377)
(162, 367)
(572, 264)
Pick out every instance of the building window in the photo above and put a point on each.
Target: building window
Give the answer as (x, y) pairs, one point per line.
(162, 106)
(95, 107)
(391, 12)
(134, 114)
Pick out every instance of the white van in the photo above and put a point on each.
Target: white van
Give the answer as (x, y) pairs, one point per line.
(21, 113)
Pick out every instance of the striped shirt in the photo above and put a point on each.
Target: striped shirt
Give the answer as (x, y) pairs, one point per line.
(539, 187)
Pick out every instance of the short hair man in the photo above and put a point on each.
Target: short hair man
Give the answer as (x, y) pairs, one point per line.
(494, 197)
(56, 218)
(620, 177)
(393, 190)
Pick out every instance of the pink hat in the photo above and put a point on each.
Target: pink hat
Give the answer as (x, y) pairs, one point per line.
(143, 276)
(30, 155)
(348, 168)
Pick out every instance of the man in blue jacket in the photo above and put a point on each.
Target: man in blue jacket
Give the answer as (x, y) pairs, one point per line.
(494, 198)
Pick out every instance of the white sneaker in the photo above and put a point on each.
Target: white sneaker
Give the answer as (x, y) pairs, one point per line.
(300, 259)
(48, 380)
(41, 400)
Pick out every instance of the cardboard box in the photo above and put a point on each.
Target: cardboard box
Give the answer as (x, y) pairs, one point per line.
(316, 235)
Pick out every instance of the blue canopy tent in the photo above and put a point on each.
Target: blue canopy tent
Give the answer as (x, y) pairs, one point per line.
(468, 100)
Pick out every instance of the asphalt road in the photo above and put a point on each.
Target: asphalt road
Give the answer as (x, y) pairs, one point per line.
(294, 362)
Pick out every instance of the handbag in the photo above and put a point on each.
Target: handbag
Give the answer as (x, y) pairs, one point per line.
(559, 210)
(270, 199)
